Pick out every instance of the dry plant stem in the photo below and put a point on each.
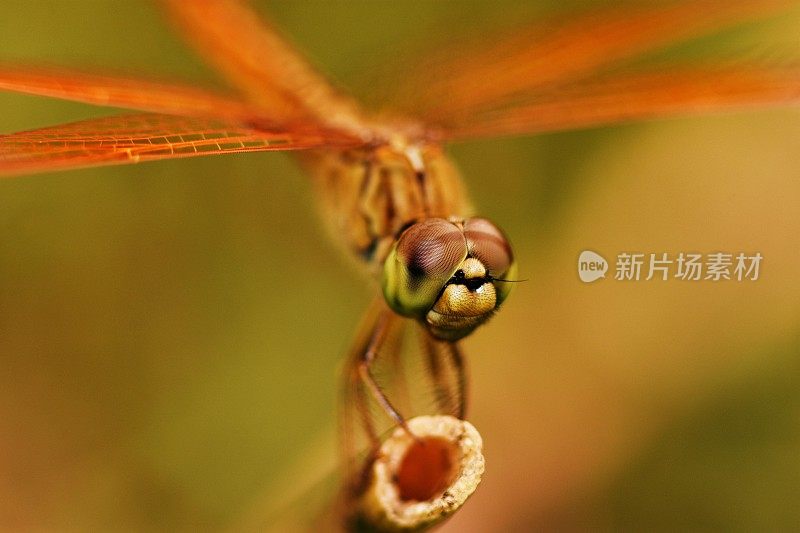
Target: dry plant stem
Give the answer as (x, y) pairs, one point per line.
(418, 482)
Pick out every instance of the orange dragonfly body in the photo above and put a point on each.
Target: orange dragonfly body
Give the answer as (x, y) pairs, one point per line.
(391, 195)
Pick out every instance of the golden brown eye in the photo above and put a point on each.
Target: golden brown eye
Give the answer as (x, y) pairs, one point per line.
(487, 243)
(425, 257)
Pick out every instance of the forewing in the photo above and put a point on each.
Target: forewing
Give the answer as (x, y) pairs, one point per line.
(499, 71)
(634, 96)
(143, 137)
(125, 92)
(262, 64)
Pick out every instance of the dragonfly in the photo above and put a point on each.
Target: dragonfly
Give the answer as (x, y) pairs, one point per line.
(389, 192)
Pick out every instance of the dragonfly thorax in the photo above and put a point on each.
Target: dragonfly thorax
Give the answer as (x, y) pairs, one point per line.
(370, 195)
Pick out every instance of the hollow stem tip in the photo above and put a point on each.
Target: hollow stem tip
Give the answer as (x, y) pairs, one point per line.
(418, 482)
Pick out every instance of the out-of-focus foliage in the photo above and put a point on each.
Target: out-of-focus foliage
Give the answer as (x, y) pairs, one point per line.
(170, 332)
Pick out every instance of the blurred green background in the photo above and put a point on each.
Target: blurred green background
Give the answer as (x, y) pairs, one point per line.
(170, 332)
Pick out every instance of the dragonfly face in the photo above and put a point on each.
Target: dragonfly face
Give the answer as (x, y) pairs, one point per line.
(451, 274)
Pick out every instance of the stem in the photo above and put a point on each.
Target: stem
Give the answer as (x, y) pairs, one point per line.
(418, 482)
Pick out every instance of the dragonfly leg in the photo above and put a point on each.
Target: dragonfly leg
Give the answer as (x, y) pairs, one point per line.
(452, 398)
(440, 385)
(460, 366)
(360, 401)
(365, 371)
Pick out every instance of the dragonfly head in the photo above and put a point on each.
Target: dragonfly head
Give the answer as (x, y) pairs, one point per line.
(449, 274)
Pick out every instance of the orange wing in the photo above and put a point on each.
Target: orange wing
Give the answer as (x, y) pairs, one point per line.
(144, 137)
(636, 96)
(257, 60)
(290, 107)
(125, 92)
(485, 85)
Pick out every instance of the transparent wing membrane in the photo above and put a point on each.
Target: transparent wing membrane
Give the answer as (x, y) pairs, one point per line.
(261, 63)
(124, 92)
(136, 138)
(634, 96)
(493, 86)
(542, 78)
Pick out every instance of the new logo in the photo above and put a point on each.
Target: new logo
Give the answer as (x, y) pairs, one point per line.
(591, 266)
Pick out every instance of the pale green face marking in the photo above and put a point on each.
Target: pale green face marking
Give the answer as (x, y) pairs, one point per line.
(448, 274)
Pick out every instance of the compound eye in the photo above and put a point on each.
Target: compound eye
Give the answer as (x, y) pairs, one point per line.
(432, 248)
(424, 259)
(489, 245)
